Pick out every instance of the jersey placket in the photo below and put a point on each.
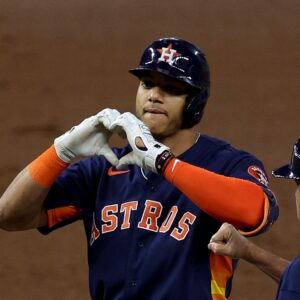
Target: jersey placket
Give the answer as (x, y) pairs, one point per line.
(141, 237)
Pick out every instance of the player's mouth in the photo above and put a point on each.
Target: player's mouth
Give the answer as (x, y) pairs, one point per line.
(154, 111)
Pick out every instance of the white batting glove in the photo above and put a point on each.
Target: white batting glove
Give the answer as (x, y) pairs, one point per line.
(147, 152)
(89, 138)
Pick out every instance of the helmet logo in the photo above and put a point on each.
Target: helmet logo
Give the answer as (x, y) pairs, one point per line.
(167, 54)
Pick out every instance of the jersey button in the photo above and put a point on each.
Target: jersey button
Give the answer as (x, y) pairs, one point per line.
(133, 283)
(153, 188)
(141, 244)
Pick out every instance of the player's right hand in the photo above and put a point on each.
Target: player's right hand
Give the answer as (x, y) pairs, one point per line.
(89, 138)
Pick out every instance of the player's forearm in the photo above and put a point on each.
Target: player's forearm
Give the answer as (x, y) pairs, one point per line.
(21, 205)
(233, 200)
(266, 261)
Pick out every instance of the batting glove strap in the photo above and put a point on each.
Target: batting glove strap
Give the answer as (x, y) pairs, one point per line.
(162, 161)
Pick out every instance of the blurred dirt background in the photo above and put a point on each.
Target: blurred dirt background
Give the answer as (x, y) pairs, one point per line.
(61, 61)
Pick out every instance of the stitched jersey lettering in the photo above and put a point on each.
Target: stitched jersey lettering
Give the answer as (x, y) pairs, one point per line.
(151, 213)
(95, 232)
(111, 214)
(181, 232)
(109, 218)
(167, 223)
(127, 207)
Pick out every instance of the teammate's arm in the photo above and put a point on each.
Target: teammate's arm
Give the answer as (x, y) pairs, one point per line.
(228, 241)
(21, 205)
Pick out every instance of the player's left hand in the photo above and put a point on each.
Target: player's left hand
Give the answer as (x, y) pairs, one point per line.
(146, 151)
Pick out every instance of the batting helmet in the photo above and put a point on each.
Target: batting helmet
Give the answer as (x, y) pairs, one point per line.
(292, 170)
(185, 62)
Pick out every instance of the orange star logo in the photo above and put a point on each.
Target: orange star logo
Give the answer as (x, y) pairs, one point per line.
(167, 54)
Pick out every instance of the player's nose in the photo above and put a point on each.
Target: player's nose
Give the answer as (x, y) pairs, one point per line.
(155, 94)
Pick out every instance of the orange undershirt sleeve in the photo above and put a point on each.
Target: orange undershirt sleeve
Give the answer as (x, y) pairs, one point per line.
(45, 168)
(60, 214)
(227, 199)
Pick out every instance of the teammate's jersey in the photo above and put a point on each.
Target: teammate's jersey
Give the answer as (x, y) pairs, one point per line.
(146, 239)
(289, 288)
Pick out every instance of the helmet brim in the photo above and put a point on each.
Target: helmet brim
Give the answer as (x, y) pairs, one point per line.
(285, 172)
(140, 71)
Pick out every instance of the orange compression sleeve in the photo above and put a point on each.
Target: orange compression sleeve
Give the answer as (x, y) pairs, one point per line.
(237, 201)
(45, 168)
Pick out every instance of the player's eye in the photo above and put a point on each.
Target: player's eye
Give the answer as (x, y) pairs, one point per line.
(172, 89)
(175, 89)
(147, 83)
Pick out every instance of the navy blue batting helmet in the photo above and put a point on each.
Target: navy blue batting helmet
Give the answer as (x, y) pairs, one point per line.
(182, 61)
(292, 170)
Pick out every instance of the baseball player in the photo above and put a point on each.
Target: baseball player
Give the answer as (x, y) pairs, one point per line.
(228, 241)
(150, 208)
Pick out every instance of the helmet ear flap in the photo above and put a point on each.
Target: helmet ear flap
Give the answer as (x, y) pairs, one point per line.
(194, 109)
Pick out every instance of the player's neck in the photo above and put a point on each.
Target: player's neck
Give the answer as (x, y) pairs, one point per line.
(181, 140)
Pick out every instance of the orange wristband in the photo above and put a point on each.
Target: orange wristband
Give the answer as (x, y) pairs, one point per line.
(45, 168)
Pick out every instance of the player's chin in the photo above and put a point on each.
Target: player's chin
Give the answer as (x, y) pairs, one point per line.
(151, 119)
(155, 122)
